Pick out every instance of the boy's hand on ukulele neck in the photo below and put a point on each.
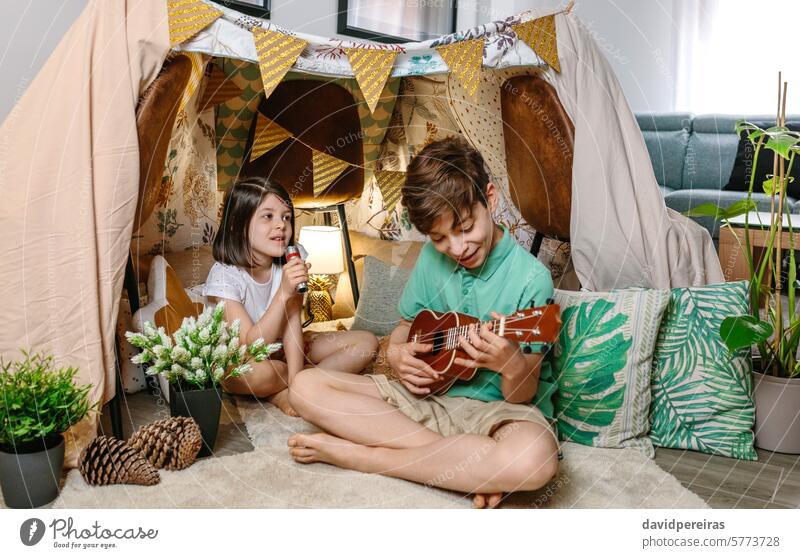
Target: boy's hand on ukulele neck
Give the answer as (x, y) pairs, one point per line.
(413, 373)
(488, 350)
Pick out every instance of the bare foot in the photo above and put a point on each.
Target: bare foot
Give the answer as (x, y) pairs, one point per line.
(281, 401)
(481, 501)
(310, 448)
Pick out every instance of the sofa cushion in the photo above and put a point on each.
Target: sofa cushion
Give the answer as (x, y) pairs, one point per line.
(712, 149)
(739, 180)
(666, 137)
(710, 153)
(683, 200)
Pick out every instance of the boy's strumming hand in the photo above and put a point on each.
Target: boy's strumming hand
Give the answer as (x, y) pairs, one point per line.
(486, 349)
(414, 373)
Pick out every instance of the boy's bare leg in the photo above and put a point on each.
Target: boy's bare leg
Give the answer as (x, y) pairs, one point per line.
(350, 406)
(519, 456)
(335, 390)
(343, 351)
(269, 378)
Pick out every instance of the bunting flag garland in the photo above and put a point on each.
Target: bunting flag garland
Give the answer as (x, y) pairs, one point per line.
(390, 184)
(218, 89)
(371, 68)
(277, 53)
(326, 169)
(540, 35)
(195, 77)
(464, 59)
(187, 18)
(268, 134)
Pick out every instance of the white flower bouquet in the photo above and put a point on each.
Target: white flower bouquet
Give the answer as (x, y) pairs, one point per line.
(200, 351)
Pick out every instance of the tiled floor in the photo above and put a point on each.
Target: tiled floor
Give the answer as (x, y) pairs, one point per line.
(771, 482)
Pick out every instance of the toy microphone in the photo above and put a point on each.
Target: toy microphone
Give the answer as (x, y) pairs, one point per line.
(291, 253)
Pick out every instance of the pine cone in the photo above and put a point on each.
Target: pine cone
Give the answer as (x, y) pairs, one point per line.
(170, 443)
(107, 460)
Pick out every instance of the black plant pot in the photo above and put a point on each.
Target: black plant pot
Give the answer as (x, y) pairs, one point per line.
(30, 471)
(204, 406)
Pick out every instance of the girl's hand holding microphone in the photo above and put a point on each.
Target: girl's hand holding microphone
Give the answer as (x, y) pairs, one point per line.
(295, 274)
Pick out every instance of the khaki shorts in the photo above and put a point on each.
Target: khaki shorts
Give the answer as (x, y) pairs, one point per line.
(457, 415)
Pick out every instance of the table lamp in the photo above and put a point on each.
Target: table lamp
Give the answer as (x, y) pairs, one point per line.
(324, 246)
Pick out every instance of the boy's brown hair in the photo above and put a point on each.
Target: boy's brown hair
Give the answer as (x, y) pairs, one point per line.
(447, 175)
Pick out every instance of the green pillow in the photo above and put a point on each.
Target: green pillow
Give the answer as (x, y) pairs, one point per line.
(602, 364)
(377, 304)
(702, 394)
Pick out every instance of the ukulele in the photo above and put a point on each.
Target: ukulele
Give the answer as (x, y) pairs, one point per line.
(534, 325)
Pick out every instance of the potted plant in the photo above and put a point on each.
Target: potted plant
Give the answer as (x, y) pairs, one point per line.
(38, 403)
(772, 330)
(194, 360)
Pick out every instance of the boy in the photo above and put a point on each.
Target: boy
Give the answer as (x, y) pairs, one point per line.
(483, 436)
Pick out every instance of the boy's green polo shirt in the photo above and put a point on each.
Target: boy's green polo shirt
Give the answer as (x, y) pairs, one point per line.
(510, 279)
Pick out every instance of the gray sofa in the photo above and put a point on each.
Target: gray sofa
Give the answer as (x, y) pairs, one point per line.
(693, 157)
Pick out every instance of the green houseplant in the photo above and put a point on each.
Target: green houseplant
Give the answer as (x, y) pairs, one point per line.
(772, 329)
(194, 360)
(38, 403)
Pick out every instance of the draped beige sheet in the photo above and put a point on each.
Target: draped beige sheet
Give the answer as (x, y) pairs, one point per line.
(69, 175)
(621, 232)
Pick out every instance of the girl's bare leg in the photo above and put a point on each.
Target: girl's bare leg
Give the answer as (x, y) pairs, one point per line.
(343, 351)
(267, 379)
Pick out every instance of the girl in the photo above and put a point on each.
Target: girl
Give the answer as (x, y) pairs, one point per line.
(259, 288)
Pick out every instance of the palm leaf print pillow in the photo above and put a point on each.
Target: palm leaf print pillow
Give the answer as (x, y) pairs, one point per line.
(702, 394)
(602, 362)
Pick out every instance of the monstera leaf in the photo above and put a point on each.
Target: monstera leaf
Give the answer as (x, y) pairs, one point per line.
(592, 352)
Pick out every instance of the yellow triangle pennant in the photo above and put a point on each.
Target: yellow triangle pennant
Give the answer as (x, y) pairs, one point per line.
(277, 53)
(195, 77)
(372, 68)
(327, 168)
(268, 135)
(187, 18)
(390, 184)
(464, 59)
(219, 88)
(540, 35)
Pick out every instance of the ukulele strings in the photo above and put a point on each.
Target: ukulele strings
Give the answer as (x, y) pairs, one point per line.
(432, 335)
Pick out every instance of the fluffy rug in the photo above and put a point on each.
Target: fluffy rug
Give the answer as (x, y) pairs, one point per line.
(268, 478)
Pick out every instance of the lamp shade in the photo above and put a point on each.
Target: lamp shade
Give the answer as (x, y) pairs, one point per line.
(324, 245)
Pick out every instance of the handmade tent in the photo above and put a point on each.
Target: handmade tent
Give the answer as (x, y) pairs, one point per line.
(335, 121)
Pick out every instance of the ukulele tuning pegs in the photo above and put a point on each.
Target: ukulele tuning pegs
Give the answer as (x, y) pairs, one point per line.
(527, 349)
(551, 301)
(545, 348)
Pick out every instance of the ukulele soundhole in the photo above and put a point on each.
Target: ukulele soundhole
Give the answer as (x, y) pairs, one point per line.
(439, 338)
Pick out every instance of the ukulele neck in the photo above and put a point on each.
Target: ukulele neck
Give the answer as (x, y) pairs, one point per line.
(503, 327)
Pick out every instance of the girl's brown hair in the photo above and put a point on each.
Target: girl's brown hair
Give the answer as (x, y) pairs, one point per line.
(447, 175)
(232, 242)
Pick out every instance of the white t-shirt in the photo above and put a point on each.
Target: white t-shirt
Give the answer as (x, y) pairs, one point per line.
(234, 283)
